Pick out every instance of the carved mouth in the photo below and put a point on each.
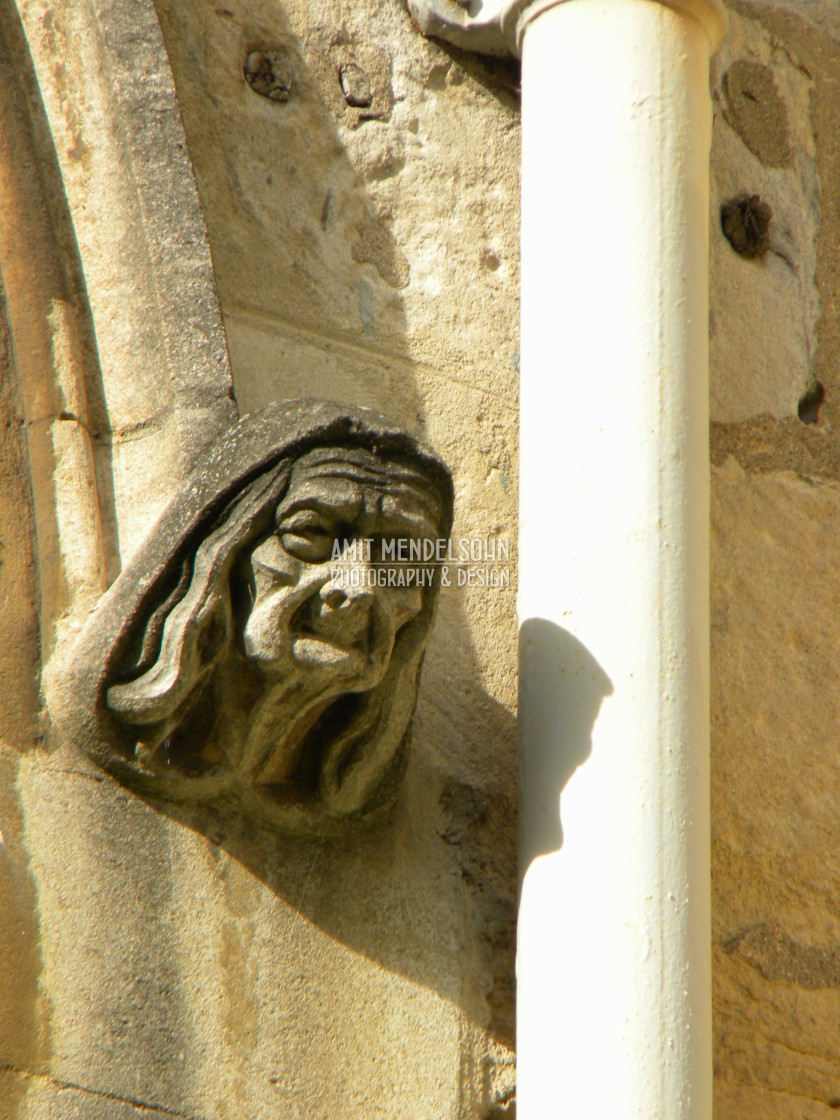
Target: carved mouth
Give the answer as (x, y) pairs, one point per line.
(300, 784)
(313, 625)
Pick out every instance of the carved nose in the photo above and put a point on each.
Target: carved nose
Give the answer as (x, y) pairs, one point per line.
(344, 598)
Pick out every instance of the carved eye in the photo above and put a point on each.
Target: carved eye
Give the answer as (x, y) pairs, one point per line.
(307, 538)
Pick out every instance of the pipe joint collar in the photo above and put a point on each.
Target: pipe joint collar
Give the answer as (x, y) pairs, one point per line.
(497, 27)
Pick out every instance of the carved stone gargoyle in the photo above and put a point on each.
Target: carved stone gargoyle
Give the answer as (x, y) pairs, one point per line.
(249, 653)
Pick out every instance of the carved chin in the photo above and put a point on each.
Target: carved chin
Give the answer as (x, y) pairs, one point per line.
(358, 666)
(312, 649)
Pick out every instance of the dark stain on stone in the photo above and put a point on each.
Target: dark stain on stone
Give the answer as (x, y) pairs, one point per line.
(355, 85)
(479, 824)
(809, 404)
(755, 109)
(463, 806)
(763, 444)
(269, 73)
(25, 1009)
(745, 222)
(776, 955)
(325, 210)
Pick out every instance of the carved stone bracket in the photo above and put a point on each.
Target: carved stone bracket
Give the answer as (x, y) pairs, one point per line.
(496, 27)
(493, 27)
(263, 647)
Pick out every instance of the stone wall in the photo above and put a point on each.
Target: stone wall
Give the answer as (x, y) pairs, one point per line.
(359, 188)
(775, 561)
(170, 962)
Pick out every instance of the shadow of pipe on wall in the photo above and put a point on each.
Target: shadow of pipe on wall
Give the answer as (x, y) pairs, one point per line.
(561, 688)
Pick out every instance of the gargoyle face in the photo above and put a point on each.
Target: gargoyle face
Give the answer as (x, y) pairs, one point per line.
(263, 647)
(323, 602)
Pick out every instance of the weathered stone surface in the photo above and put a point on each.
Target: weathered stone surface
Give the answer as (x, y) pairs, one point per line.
(763, 306)
(375, 261)
(24, 1023)
(19, 624)
(239, 978)
(44, 365)
(172, 959)
(775, 605)
(46, 1099)
(774, 586)
(754, 107)
(321, 224)
(100, 92)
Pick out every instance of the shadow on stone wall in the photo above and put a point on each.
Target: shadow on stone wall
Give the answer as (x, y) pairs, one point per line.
(558, 707)
(312, 282)
(177, 938)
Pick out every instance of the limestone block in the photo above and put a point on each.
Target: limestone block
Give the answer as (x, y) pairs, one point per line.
(274, 360)
(364, 230)
(44, 1099)
(775, 713)
(332, 982)
(24, 1022)
(763, 311)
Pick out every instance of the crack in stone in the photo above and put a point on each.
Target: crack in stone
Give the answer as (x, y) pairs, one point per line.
(60, 1083)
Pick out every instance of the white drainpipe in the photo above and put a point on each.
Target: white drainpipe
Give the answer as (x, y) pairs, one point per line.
(613, 963)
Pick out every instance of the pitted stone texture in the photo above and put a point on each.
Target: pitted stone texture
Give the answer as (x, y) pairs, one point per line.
(822, 16)
(42, 1098)
(775, 713)
(397, 235)
(755, 109)
(245, 979)
(763, 311)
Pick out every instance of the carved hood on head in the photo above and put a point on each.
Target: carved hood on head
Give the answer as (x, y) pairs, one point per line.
(160, 688)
